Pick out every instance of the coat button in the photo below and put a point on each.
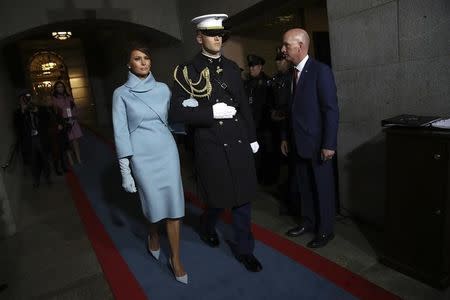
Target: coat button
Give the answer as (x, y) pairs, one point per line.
(225, 145)
(236, 119)
(239, 141)
(217, 100)
(221, 123)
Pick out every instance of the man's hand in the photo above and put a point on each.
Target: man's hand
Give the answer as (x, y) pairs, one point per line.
(326, 154)
(223, 111)
(284, 148)
(254, 146)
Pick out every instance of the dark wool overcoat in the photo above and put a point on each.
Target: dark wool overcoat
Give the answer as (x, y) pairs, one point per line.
(224, 161)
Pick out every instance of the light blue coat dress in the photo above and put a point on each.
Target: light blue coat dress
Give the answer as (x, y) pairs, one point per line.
(141, 132)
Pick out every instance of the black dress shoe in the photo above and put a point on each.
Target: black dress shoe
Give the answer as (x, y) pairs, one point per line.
(296, 231)
(320, 240)
(211, 240)
(250, 262)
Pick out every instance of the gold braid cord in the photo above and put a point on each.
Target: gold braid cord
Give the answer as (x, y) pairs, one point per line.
(194, 91)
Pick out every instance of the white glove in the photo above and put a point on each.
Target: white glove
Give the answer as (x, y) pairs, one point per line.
(127, 180)
(223, 111)
(255, 146)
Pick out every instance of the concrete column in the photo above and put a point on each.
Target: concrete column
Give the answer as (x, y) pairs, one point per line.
(7, 224)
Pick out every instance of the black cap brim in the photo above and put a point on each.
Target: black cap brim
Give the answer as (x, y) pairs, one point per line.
(215, 32)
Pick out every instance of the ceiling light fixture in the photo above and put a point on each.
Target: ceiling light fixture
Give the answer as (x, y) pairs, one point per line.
(48, 66)
(61, 35)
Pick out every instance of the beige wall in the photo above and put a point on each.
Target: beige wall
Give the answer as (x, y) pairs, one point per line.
(237, 48)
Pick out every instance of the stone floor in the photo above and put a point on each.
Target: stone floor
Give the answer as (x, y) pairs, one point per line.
(51, 257)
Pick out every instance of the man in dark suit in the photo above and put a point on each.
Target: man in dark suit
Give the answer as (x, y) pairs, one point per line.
(313, 123)
(31, 122)
(209, 98)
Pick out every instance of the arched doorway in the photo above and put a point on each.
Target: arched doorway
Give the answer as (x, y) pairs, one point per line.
(45, 69)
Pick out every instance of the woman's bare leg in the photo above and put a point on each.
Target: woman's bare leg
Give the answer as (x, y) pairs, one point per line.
(173, 232)
(69, 157)
(154, 237)
(76, 150)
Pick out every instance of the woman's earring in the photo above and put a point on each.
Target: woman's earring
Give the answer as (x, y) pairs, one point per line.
(128, 67)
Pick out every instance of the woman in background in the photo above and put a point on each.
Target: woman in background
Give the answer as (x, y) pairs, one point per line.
(65, 107)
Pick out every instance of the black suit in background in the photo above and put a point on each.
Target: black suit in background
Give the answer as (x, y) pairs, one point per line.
(288, 191)
(32, 125)
(261, 101)
(314, 118)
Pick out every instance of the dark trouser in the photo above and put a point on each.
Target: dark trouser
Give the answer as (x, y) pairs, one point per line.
(39, 160)
(61, 145)
(289, 190)
(241, 223)
(267, 159)
(315, 182)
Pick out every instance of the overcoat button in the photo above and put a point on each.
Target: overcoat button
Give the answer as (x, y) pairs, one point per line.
(225, 145)
(221, 122)
(239, 141)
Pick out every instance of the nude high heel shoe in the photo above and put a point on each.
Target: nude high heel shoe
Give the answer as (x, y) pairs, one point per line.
(182, 279)
(154, 253)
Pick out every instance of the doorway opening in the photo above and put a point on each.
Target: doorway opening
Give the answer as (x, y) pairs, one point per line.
(45, 68)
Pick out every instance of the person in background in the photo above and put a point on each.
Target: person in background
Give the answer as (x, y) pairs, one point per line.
(66, 108)
(313, 119)
(281, 90)
(31, 123)
(260, 99)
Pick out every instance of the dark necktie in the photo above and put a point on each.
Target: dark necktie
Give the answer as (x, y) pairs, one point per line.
(294, 79)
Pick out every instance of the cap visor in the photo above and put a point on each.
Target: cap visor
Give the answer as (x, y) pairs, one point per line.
(215, 32)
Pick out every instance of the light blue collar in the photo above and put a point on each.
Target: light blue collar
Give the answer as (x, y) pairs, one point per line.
(138, 85)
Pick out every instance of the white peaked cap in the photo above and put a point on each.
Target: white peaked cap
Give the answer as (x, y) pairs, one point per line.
(209, 22)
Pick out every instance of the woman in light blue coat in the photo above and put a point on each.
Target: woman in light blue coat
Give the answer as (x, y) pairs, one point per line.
(147, 153)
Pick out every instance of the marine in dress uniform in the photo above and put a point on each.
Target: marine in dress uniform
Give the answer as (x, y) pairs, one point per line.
(209, 98)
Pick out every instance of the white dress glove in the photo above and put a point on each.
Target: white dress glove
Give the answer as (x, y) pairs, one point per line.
(127, 180)
(255, 146)
(223, 111)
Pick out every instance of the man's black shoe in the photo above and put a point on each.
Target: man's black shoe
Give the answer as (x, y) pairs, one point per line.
(320, 240)
(211, 240)
(250, 262)
(296, 231)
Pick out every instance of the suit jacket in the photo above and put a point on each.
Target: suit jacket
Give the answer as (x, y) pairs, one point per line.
(314, 113)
